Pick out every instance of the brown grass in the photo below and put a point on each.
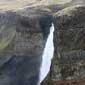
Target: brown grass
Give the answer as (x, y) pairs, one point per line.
(18, 4)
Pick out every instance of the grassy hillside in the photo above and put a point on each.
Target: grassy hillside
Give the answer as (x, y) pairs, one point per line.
(17, 4)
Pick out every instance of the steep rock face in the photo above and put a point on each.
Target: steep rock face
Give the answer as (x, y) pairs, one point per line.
(69, 39)
(70, 30)
(23, 35)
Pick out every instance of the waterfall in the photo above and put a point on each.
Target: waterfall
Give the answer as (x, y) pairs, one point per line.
(47, 55)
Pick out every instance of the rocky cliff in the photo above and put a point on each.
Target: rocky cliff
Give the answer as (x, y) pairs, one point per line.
(69, 40)
(23, 34)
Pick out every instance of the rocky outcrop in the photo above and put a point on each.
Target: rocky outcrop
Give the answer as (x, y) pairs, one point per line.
(69, 40)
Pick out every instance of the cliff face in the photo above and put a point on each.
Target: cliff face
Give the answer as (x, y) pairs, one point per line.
(70, 28)
(69, 40)
(23, 35)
